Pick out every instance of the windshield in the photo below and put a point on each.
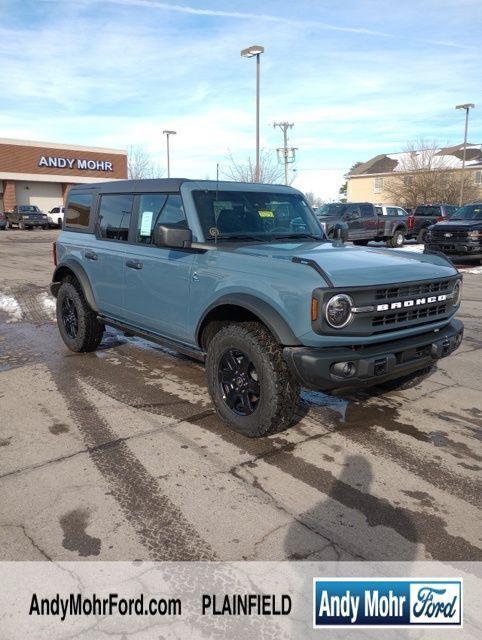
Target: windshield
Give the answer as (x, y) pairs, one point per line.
(28, 209)
(468, 212)
(255, 215)
(334, 209)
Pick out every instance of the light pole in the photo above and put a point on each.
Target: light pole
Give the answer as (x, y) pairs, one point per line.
(168, 133)
(467, 108)
(250, 52)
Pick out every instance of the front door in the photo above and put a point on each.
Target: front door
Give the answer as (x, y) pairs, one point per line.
(352, 217)
(158, 278)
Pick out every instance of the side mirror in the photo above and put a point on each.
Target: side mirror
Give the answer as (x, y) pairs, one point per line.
(340, 232)
(175, 237)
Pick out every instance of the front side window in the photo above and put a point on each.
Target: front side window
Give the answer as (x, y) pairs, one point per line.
(255, 215)
(77, 214)
(158, 208)
(115, 216)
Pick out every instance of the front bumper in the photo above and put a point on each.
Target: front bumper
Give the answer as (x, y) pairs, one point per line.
(314, 367)
(457, 249)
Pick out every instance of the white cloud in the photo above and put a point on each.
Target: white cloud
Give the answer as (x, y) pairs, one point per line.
(117, 73)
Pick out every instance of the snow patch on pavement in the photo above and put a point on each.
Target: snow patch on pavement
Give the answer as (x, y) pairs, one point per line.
(474, 270)
(11, 307)
(48, 304)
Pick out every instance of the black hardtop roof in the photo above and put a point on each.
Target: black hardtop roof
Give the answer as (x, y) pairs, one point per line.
(128, 186)
(166, 185)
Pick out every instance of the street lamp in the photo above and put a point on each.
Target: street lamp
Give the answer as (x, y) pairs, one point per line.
(467, 108)
(168, 133)
(251, 52)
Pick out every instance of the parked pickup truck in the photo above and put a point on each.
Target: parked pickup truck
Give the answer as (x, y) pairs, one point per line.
(460, 236)
(365, 222)
(424, 216)
(26, 217)
(242, 277)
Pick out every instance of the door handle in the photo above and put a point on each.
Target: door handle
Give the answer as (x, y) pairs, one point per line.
(134, 264)
(90, 255)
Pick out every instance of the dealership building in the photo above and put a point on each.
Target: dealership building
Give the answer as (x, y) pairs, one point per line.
(41, 172)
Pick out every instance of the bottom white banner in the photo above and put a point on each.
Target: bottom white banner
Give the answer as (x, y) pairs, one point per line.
(147, 600)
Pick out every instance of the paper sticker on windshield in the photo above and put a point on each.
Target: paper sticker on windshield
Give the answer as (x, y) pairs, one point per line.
(146, 223)
(266, 214)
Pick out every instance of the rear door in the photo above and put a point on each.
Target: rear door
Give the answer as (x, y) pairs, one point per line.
(105, 258)
(158, 278)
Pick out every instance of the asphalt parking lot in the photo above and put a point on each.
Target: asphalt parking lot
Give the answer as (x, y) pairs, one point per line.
(118, 454)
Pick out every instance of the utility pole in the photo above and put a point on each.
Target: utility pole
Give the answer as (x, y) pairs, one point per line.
(467, 108)
(168, 133)
(286, 155)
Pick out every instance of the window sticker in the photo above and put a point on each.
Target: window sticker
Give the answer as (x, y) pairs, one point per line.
(266, 214)
(146, 223)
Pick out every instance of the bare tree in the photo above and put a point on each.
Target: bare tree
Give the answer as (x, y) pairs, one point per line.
(425, 175)
(312, 200)
(270, 172)
(140, 164)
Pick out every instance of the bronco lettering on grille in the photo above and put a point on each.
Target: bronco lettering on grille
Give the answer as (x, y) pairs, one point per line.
(411, 303)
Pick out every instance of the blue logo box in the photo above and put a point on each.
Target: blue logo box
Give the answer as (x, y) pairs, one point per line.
(387, 602)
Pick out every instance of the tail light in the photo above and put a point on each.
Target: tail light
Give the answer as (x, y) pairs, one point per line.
(411, 222)
(54, 253)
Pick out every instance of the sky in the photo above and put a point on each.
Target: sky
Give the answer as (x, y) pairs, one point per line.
(357, 78)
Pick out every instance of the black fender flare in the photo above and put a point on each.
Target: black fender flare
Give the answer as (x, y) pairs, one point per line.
(263, 310)
(70, 264)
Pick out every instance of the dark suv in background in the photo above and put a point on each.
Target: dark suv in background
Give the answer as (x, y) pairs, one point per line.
(425, 215)
(3, 221)
(460, 236)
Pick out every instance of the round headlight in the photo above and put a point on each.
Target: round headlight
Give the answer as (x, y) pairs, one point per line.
(457, 293)
(338, 311)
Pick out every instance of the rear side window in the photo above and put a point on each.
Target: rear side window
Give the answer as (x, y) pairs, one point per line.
(158, 208)
(115, 216)
(77, 214)
(366, 210)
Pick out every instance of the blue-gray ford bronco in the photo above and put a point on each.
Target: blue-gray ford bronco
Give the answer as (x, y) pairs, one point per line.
(242, 277)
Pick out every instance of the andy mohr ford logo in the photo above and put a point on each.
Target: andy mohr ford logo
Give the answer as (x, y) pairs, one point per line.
(386, 602)
(411, 303)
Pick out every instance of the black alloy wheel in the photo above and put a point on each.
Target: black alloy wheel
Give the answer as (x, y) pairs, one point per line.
(70, 318)
(239, 383)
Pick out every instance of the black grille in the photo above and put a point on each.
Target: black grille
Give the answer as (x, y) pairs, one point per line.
(457, 234)
(409, 315)
(417, 289)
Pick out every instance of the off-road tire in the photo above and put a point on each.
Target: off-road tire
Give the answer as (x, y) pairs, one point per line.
(90, 330)
(422, 235)
(408, 381)
(394, 241)
(279, 390)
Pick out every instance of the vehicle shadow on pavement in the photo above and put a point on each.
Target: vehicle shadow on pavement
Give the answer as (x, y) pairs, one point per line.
(369, 528)
(351, 528)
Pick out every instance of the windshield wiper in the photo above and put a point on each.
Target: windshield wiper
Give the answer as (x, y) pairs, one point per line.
(296, 235)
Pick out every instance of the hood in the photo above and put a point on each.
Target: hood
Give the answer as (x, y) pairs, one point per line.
(457, 224)
(349, 266)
